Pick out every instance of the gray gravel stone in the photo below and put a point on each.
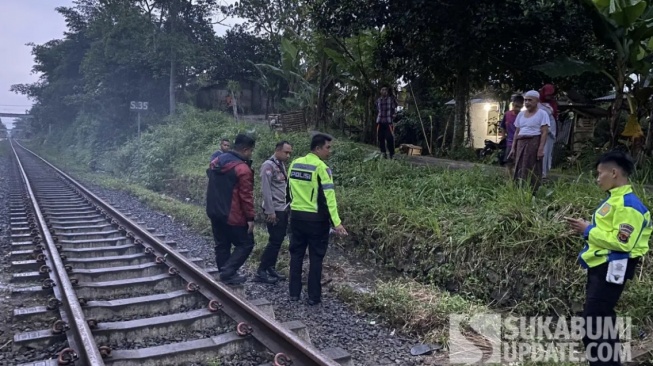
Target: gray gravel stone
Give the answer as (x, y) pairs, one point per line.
(330, 324)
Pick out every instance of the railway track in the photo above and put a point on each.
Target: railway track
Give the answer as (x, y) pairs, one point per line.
(115, 293)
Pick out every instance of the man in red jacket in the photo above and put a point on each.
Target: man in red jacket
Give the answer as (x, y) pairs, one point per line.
(230, 206)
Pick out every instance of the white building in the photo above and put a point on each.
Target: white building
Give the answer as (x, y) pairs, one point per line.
(485, 116)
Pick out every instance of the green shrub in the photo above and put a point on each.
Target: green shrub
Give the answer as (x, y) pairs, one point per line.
(469, 231)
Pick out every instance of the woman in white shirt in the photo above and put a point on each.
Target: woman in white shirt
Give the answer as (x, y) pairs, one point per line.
(528, 145)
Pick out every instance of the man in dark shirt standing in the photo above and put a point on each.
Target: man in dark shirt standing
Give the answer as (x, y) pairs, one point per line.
(224, 147)
(230, 206)
(386, 106)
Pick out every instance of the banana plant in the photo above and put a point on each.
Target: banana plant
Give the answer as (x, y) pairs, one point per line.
(354, 60)
(295, 71)
(626, 27)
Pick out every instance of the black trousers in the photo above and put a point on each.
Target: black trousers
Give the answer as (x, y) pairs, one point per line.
(385, 132)
(276, 232)
(225, 236)
(601, 299)
(313, 235)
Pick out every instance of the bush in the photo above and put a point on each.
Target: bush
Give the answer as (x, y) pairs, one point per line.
(470, 232)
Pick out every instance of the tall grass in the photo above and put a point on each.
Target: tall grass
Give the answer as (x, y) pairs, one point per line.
(471, 232)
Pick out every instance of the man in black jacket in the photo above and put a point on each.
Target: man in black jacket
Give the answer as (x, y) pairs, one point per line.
(230, 206)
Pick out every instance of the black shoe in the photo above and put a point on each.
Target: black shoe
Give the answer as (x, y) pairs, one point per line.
(233, 280)
(385, 156)
(313, 302)
(262, 276)
(274, 274)
(294, 298)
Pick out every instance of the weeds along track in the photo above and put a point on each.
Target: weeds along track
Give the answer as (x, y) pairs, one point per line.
(115, 293)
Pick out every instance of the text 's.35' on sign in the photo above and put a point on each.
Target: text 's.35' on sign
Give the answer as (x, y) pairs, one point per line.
(138, 106)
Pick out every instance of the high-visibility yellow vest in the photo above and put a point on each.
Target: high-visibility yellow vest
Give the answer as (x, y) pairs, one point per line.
(621, 227)
(312, 191)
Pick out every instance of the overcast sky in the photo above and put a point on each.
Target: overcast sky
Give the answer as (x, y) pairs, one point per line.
(24, 21)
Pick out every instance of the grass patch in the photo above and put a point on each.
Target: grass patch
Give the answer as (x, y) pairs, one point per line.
(5, 149)
(411, 307)
(468, 231)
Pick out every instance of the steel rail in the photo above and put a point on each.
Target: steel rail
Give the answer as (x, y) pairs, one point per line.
(252, 321)
(82, 341)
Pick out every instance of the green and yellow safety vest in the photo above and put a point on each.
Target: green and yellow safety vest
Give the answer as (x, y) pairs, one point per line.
(621, 227)
(312, 193)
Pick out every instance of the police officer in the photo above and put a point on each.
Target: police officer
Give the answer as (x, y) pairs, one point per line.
(616, 239)
(274, 188)
(313, 210)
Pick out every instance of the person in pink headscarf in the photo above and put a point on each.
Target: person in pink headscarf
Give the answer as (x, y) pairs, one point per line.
(549, 104)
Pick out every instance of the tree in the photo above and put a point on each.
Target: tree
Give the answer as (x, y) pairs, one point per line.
(272, 18)
(626, 28)
(462, 45)
(355, 64)
(114, 52)
(273, 21)
(3, 130)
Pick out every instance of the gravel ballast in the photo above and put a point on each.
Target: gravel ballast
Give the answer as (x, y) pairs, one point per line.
(9, 325)
(330, 324)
